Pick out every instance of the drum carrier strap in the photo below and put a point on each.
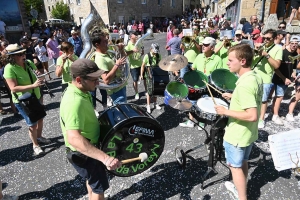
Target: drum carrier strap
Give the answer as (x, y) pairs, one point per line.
(260, 59)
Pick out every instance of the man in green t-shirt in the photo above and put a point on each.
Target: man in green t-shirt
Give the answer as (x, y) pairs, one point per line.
(135, 59)
(191, 51)
(81, 130)
(243, 115)
(104, 61)
(271, 60)
(205, 62)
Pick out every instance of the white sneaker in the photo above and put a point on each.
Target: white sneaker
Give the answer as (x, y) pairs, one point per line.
(289, 117)
(9, 197)
(157, 107)
(109, 101)
(37, 150)
(261, 123)
(231, 188)
(187, 124)
(96, 113)
(43, 140)
(277, 120)
(137, 96)
(148, 109)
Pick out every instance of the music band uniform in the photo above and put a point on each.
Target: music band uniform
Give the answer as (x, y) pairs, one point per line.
(207, 64)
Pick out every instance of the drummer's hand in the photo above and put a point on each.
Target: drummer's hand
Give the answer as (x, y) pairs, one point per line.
(221, 110)
(227, 96)
(112, 163)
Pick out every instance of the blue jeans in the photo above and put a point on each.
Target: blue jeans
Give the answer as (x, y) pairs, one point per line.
(266, 91)
(119, 96)
(25, 116)
(103, 94)
(186, 69)
(280, 89)
(235, 155)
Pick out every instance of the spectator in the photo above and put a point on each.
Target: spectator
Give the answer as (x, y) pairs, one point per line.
(52, 47)
(77, 42)
(256, 36)
(247, 28)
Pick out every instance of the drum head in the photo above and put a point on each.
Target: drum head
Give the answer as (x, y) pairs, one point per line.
(194, 79)
(134, 131)
(177, 89)
(223, 79)
(207, 105)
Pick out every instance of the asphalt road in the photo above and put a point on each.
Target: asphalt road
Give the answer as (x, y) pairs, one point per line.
(50, 176)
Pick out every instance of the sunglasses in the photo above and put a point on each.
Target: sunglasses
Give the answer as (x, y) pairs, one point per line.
(280, 27)
(20, 54)
(238, 35)
(267, 38)
(206, 45)
(195, 29)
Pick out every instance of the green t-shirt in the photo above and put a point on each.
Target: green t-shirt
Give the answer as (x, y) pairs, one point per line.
(135, 59)
(104, 62)
(192, 52)
(207, 65)
(22, 77)
(247, 94)
(66, 75)
(263, 68)
(77, 112)
(154, 62)
(223, 53)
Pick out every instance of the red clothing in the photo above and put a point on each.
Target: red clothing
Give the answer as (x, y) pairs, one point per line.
(134, 27)
(169, 37)
(141, 27)
(258, 40)
(115, 31)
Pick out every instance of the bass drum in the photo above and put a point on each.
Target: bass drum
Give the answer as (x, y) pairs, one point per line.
(126, 131)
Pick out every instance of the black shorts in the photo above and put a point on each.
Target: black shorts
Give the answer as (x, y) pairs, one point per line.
(135, 73)
(94, 172)
(295, 4)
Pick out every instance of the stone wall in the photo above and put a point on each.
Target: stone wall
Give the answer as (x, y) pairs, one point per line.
(253, 7)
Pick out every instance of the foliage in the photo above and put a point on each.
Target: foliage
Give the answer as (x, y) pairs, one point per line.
(61, 11)
(35, 4)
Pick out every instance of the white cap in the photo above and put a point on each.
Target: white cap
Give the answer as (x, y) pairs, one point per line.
(209, 40)
(295, 38)
(170, 22)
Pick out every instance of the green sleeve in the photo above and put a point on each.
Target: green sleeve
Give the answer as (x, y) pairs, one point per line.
(146, 60)
(246, 97)
(72, 118)
(59, 61)
(101, 63)
(9, 73)
(278, 55)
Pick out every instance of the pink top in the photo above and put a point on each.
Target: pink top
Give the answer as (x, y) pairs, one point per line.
(141, 27)
(53, 51)
(169, 37)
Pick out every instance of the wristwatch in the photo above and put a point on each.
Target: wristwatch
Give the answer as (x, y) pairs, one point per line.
(267, 56)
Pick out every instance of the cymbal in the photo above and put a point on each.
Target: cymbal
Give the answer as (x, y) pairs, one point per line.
(180, 105)
(173, 62)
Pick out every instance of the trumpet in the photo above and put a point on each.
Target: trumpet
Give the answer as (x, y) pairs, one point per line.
(258, 50)
(293, 58)
(227, 43)
(187, 41)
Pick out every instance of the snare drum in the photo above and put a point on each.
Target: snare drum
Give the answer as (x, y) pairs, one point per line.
(196, 86)
(223, 80)
(126, 131)
(205, 108)
(175, 89)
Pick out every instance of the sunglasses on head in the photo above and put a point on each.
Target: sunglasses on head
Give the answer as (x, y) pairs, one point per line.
(20, 54)
(267, 38)
(280, 27)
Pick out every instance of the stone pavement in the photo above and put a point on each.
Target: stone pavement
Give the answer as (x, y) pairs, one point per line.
(50, 176)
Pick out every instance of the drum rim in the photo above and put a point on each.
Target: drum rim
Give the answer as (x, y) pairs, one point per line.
(180, 83)
(199, 72)
(216, 99)
(213, 82)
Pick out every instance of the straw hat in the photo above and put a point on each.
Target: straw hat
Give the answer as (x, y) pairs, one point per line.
(14, 49)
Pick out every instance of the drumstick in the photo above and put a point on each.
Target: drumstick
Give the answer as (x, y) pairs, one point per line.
(142, 156)
(212, 97)
(218, 91)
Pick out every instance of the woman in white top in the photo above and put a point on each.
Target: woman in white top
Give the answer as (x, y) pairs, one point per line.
(122, 31)
(41, 53)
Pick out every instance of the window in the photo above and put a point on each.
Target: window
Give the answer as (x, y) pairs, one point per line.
(144, 1)
(120, 1)
(49, 8)
(78, 2)
(159, 2)
(172, 3)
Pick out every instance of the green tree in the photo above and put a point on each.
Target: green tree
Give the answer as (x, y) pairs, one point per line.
(61, 11)
(35, 4)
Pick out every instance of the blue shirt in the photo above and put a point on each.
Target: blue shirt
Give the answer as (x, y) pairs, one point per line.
(174, 44)
(247, 28)
(77, 43)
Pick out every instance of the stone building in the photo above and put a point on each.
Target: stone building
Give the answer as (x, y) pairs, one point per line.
(119, 11)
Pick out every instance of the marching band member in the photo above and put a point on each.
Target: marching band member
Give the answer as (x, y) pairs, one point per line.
(81, 130)
(192, 51)
(105, 62)
(282, 78)
(222, 50)
(205, 62)
(135, 59)
(150, 60)
(243, 114)
(271, 60)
